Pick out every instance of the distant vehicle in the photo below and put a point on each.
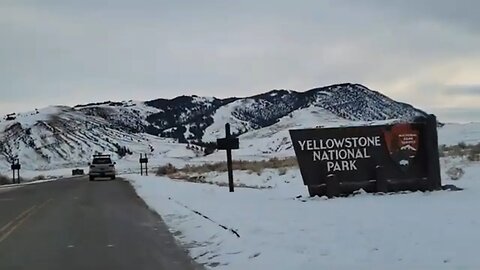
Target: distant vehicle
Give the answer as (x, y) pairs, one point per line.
(11, 117)
(101, 166)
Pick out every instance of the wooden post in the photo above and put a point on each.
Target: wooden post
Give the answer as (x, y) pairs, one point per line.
(143, 160)
(431, 141)
(317, 190)
(381, 180)
(228, 143)
(13, 171)
(16, 167)
(229, 159)
(146, 166)
(333, 186)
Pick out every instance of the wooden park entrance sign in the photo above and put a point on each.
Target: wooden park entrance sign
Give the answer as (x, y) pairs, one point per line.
(384, 158)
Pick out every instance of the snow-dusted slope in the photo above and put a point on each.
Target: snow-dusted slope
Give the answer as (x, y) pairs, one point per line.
(226, 114)
(130, 116)
(60, 136)
(357, 102)
(202, 119)
(275, 140)
(337, 103)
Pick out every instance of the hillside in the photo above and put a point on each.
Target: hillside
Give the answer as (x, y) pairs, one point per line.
(202, 119)
(55, 137)
(59, 136)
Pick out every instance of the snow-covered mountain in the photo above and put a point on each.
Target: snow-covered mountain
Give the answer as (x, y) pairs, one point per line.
(55, 137)
(64, 135)
(202, 119)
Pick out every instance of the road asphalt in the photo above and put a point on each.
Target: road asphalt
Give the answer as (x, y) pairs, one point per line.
(77, 224)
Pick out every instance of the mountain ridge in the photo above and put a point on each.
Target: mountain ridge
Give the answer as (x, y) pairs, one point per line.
(50, 135)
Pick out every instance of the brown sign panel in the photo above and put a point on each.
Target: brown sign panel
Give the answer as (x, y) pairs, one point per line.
(228, 143)
(353, 154)
(16, 166)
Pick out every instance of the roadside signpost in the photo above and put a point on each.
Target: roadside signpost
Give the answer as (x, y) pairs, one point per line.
(16, 167)
(383, 158)
(228, 143)
(143, 160)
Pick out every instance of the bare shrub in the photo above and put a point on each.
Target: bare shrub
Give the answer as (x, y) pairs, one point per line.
(282, 171)
(39, 177)
(242, 165)
(455, 151)
(255, 167)
(474, 154)
(166, 170)
(442, 149)
(455, 173)
(283, 163)
(5, 180)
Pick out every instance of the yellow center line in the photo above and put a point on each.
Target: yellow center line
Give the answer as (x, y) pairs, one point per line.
(20, 219)
(17, 218)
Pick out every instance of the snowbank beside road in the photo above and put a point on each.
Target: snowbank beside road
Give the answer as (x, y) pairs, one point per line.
(280, 230)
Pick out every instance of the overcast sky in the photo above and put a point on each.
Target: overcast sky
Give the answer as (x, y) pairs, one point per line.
(426, 53)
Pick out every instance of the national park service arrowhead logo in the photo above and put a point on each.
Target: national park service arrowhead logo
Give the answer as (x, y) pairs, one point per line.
(402, 143)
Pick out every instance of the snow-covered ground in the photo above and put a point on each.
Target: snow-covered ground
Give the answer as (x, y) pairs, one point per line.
(265, 143)
(60, 137)
(454, 133)
(280, 227)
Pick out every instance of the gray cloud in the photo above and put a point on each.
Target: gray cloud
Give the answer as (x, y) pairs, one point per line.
(68, 52)
(457, 115)
(463, 13)
(469, 90)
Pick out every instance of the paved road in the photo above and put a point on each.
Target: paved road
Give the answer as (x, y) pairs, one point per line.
(77, 224)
